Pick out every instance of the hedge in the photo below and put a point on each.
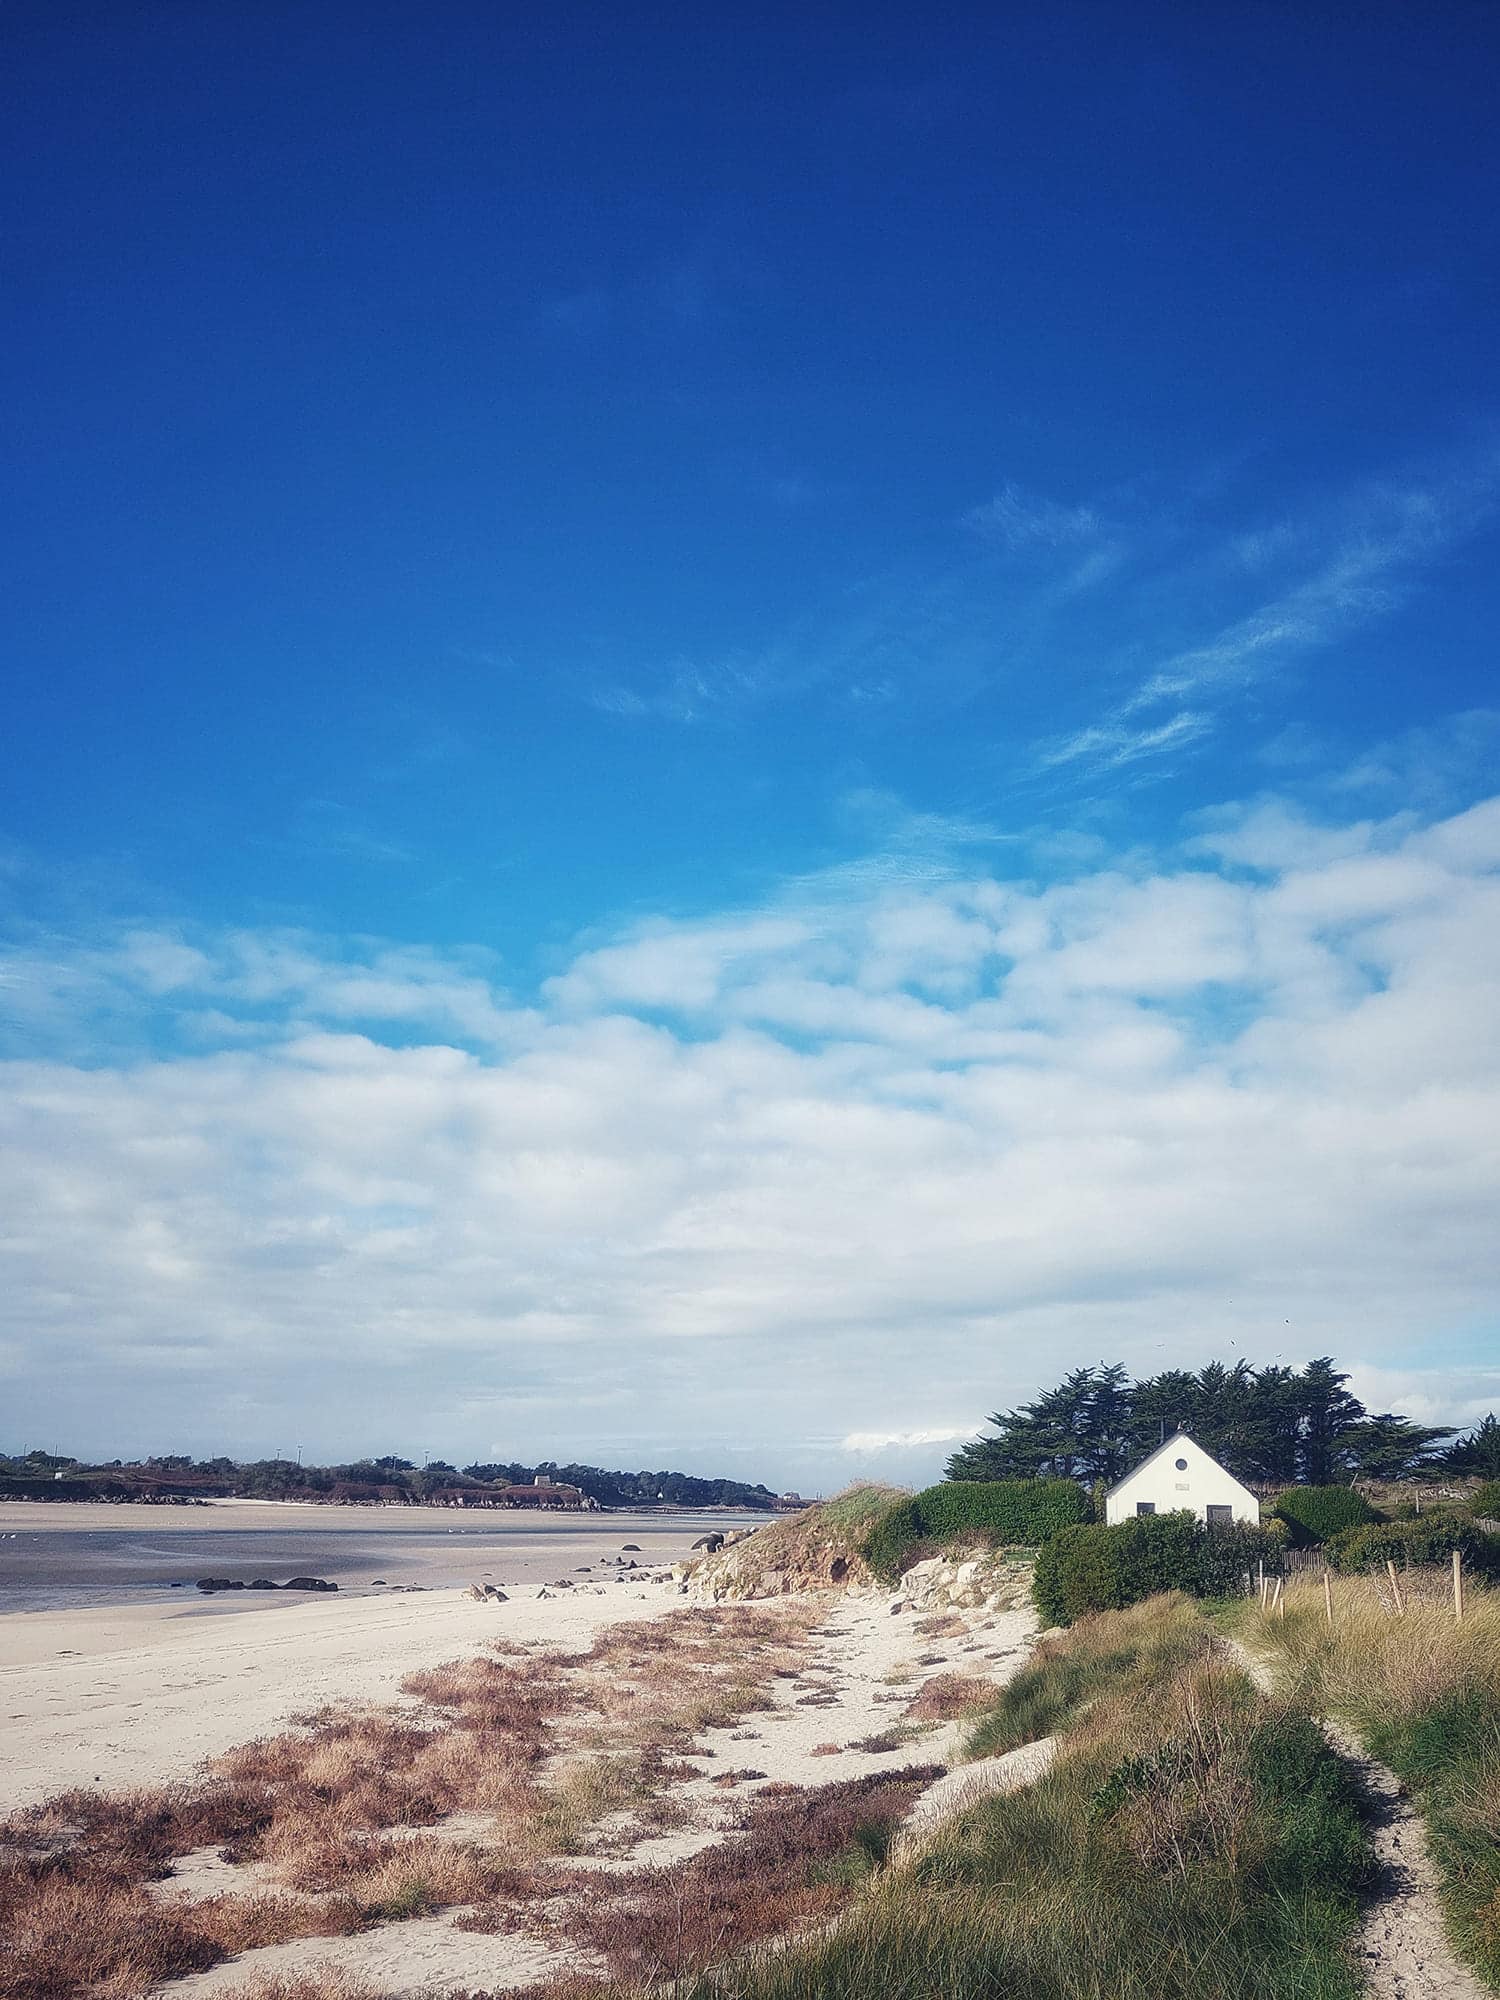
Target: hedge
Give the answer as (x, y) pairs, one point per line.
(1485, 1505)
(1014, 1512)
(1431, 1540)
(1313, 1513)
(1086, 1569)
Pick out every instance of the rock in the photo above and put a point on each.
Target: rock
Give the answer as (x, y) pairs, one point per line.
(375, 1585)
(495, 1596)
(899, 1605)
(308, 1583)
(218, 1583)
(544, 1591)
(631, 1548)
(262, 1583)
(710, 1543)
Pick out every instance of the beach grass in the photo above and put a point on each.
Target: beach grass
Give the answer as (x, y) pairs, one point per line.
(1422, 1693)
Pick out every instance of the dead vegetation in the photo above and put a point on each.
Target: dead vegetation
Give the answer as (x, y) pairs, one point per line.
(797, 1858)
(339, 1811)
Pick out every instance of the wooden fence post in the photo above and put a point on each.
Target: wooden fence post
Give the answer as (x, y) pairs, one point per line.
(1260, 1581)
(1328, 1596)
(1458, 1587)
(1395, 1588)
(1278, 1602)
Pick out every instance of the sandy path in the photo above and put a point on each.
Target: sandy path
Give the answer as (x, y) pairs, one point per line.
(182, 1689)
(1403, 1943)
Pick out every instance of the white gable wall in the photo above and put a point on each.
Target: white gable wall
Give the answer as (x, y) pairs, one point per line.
(1197, 1484)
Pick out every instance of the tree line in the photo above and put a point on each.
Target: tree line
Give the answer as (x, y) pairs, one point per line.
(1265, 1425)
(289, 1479)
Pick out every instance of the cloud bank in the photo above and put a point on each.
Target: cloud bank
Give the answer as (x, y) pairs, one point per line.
(828, 1176)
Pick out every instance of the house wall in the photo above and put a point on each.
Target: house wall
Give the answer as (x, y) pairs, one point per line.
(1200, 1484)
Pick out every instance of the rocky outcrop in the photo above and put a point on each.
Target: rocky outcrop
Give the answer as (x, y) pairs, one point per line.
(986, 1582)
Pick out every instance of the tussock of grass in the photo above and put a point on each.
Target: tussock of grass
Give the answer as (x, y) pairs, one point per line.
(1423, 1694)
(820, 1546)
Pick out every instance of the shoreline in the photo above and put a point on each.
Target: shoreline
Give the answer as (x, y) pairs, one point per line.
(118, 1701)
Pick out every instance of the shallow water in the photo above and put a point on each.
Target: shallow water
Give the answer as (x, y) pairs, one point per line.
(58, 1567)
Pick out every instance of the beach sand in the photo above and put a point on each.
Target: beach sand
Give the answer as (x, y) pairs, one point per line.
(113, 1699)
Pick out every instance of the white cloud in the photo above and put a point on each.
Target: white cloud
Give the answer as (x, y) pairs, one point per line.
(880, 1147)
(871, 1441)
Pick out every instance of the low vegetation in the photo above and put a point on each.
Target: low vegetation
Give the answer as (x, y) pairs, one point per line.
(995, 1513)
(1106, 1568)
(1191, 1838)
(1427, 1540)
(1422, 1692)
(1314, 1513)
(339, 1811)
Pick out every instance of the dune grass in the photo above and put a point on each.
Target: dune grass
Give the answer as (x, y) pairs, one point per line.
(1191, 1839)
(1423, 1695)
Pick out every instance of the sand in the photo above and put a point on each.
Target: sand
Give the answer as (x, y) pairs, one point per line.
(863, 1657)
(138, 1697)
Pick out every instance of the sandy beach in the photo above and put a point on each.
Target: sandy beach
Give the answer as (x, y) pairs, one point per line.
(112, 1700)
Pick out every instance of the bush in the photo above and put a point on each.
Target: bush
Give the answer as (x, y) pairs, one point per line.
(1415, 1543)
(1086, 1569)
(1003, 1512)
(1485, 1503)
(1313, 1513)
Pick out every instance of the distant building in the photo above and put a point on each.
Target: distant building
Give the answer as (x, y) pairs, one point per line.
(1180, 1476)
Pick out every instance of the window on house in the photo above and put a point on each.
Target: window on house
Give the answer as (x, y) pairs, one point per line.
(1145, 1506)
(1220, 1517)
(1181, 1464)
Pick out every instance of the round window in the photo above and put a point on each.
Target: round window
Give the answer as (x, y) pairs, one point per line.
(1182, 1465)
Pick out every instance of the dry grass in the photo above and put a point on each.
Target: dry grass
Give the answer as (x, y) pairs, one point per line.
(1423, 1693)
(335, 1807)
(946, 1697)
(798, 1858)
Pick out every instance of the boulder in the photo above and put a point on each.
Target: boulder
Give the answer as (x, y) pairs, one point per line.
(710, 1544)
(262, 1583)
(308, 1583)
(219, 1583)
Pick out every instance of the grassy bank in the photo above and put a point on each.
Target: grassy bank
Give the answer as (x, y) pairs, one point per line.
(1423, 1695)
(1192, 1839)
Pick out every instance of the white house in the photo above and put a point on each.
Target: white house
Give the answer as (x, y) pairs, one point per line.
(1177, 1475)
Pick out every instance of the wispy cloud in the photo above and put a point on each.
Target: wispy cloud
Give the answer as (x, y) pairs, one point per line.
(1017, 521)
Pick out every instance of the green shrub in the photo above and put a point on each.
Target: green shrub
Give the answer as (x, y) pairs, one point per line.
(1098, 1568)
(1002, 1512)
(1430, 1540)
(1485, 1503)
(1313, 1513)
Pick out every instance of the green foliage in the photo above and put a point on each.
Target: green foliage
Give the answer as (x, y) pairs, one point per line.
(1430, 1540)
(1485, 1504)
(1480, 1451)
(1005, 1512)
(1313, 1513)
(1105, 1568)
(1269, 1423)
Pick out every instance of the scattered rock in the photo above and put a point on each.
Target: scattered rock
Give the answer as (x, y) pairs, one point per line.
(308, 1583)
(631, 1548)
(262, 1583)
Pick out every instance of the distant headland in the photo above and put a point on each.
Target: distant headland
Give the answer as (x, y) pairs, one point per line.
(378, 1482)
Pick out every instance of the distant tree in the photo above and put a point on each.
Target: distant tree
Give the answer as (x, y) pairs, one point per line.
(1392, 1447)
(1479, 1452)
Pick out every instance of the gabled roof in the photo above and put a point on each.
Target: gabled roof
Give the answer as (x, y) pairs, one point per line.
(1177, 1437)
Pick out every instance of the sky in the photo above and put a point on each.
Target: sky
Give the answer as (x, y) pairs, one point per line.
(727, 732)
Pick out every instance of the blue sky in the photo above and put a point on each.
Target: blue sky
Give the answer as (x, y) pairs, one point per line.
(653, 659)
